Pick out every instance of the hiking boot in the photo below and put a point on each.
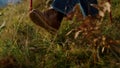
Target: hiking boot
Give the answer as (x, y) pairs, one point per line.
(50, 19)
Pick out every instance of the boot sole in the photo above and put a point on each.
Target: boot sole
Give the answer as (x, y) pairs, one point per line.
(38, 18)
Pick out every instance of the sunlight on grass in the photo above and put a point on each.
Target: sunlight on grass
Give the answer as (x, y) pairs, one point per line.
(25, 45)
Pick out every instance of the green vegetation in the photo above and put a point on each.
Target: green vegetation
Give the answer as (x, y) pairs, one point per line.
(25, 45)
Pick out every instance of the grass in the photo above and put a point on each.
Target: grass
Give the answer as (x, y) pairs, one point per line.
(25, 45)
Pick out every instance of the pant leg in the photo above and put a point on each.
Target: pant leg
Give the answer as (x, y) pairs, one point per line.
(93, 11)
(64, 6)
(87, 9)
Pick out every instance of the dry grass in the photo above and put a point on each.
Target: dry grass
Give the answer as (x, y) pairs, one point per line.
(25, 45)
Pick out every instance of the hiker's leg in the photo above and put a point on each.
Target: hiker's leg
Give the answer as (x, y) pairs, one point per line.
(64, 6)
(87, 9)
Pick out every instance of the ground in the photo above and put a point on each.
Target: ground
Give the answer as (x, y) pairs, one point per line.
(25, 45)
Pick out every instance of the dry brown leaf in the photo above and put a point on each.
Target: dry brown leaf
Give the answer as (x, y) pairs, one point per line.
(77, 33)
(69, 32)
(103, 49)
